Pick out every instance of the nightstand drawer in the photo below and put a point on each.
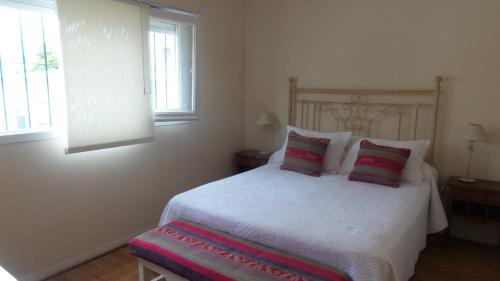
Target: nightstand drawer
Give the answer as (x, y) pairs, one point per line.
(250, 159)
(484, 197)
(493, 199)
(468, 195)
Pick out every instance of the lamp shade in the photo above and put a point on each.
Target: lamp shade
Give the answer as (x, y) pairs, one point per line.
(264, 119)
(474, 132)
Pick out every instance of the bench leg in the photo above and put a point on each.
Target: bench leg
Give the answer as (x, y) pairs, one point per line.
(152, 272)
(144, 272)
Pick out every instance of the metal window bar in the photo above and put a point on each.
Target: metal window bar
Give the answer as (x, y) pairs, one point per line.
(46, 71)
(25, 71)
(176, 60)
(165, 54)
(3, 96)
(156, 87)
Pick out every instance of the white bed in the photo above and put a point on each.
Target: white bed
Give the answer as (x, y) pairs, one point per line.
(369, 231)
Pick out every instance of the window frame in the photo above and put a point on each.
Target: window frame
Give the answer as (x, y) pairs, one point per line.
(179, 18)
(28, 135)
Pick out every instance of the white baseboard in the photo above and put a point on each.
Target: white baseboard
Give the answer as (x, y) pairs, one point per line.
(77, 260)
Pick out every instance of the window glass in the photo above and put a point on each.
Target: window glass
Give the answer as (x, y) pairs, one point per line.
(31, 83)
(172, 61)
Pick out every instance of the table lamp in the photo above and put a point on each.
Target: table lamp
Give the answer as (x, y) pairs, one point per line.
(473, 132)
(266, 120)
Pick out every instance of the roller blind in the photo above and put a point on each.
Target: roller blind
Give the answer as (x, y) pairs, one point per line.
(108, 100)
(43, 5)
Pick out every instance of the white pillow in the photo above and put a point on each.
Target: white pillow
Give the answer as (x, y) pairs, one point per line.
(334, 152)
(413, 169)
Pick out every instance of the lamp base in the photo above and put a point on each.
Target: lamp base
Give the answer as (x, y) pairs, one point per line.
(467, 180)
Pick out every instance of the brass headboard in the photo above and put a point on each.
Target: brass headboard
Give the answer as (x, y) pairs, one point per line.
(364, 111)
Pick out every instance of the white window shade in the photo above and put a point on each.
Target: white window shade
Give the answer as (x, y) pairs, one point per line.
(39, 5)
(108, 100)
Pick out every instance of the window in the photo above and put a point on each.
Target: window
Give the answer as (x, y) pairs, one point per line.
(173, 68)
(31, 79)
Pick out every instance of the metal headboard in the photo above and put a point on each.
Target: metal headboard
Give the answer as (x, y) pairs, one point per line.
(363, 111)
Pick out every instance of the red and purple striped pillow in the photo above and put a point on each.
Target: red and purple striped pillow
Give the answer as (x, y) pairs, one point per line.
(305, 155)
(379, 164)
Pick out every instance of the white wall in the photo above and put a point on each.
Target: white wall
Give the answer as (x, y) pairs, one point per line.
(382, 44)
(54, 207)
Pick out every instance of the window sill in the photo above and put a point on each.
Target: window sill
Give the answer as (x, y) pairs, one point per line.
(170, 123)
(27, 136)
(166, 117)
(172, 119)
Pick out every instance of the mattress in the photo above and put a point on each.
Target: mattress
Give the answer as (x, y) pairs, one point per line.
(369, 231)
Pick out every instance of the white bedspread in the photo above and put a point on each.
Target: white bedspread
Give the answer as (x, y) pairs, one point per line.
(371, 232)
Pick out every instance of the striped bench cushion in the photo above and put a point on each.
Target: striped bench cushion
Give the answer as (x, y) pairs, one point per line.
(199, 253)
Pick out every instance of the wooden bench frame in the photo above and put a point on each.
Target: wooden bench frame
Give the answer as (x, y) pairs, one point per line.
(146, 270)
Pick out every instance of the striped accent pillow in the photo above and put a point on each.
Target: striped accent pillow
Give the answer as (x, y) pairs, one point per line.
(305, 155)
(379, 164)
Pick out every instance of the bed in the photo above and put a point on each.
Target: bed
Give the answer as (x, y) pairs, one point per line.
(370, 232)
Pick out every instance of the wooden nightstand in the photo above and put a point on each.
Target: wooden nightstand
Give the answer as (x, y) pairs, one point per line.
(477, 202)
(250, 159)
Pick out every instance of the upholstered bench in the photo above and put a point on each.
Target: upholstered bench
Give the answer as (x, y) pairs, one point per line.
(183, 250)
